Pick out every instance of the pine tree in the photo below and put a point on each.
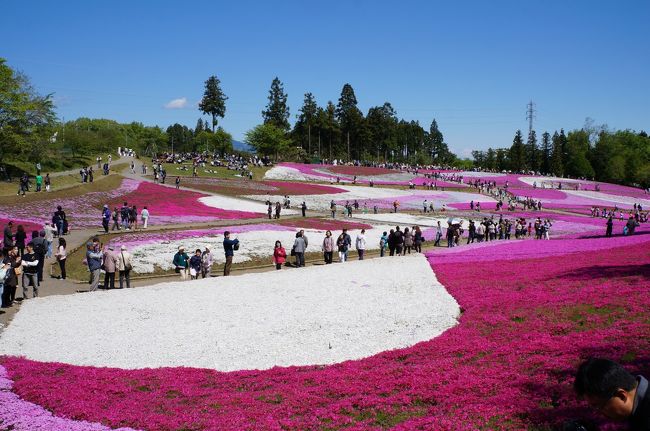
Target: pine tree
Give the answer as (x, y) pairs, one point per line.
(557, 159)
(517, 153)
(214, 101)
(532, 152)
(277, 111)
(436, 145)
(546, 151)
(307, 120)
(351, 120)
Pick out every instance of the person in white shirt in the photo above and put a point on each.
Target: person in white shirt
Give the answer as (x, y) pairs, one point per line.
(144, 214)
(124, 267)
(61, 255)
(49, 237)
(361, 243)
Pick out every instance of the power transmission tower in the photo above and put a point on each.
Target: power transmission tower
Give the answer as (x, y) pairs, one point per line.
(530, 115)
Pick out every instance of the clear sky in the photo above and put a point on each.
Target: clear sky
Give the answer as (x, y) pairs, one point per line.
(472, 65)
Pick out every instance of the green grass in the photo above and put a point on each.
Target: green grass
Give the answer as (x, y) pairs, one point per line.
(173, 170)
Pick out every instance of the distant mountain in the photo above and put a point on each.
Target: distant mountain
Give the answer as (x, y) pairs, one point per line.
(242, 146)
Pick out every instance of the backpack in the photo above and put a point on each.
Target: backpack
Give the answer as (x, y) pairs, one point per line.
(39, 248)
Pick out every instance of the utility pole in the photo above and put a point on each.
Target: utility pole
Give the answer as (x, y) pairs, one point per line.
(530, 115)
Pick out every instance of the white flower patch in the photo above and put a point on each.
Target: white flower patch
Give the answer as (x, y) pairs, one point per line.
(253, 245)
(236, 204)
(286, 173)
(609, 198)
(547, 182)
(315, 315)
(360, 193)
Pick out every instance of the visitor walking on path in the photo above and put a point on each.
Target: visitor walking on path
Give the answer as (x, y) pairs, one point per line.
(610, 226)
(14, 262)
(61, 256)
(361, 243)
(144, 215)
(94, 261)
(178, 183)
(124, 266)
(303, 208)
(229, 247)
(343, 243)
(111, 263)
(180, 262)
(206, 263)
(106, 218)
(279, 255)
(20, 239)
(30, 271)
(438, 234)
(195, 264)
(383, 244)
(299, 248)
(328, 247)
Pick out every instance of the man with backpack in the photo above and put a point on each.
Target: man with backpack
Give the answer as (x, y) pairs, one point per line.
(40, 250)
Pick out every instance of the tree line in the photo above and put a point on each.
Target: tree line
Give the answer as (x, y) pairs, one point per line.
(342, 131)
(592, 152)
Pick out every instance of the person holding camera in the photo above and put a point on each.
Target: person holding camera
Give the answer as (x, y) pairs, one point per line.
(229, 247)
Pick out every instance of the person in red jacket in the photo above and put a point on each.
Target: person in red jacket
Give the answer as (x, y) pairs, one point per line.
(279, 255)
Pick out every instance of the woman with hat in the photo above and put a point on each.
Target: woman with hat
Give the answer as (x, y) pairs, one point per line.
(181, 262)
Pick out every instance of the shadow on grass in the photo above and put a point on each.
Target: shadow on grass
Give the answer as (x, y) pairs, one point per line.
(611, 271)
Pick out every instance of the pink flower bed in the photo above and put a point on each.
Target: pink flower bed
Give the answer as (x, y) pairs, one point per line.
(357, 170)
(167, 205)
(506, 366)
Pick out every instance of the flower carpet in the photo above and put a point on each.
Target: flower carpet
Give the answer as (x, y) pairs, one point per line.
(506, 365)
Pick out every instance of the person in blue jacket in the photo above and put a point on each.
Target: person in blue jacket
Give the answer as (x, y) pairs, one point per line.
(106, 218)
(229, 247)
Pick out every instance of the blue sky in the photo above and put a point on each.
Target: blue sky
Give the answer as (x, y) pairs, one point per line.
(472, 65)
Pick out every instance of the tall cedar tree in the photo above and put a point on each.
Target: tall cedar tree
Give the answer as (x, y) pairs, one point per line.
(304, 128)
(277, 111)
(557, 157)
(546, 150)
(517, 153)
(438, 149)
(532, 152)
(214, 101)
(351, 120)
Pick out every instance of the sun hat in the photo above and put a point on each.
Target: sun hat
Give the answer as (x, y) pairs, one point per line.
(180, 247)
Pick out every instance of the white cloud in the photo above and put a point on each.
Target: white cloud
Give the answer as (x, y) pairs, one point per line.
(176, 103)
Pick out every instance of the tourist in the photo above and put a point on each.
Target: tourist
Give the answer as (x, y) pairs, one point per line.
(333, 208)
(133, 217)
(94, 261)
(61, 256)
(361, 243)
(124, 266)
(471, 232)
(408, 241)
(269, 210)
(614, 392)
(106, 218)
(425, 206)
(383, 244)
(438, 234)
(299, 248)
(303, 208)
(395, 205)
(180, 262)
(111, 263)
(279, 255)
(343, 244)
(60, 220)
(206, 263)
(39, 182)
(144, 215)
(178, 183)
(4, 269)
(328, 247)
(399, 241)
(418, 239)
(49, 237)
(195, 264)
(450, 235)
(30, 271)
(14, 261)
(608, 231)
(48, 182)
(229, 247)
(278, 208)
(8, 240)
(115, 216)
(124, 215)
(19, 239)
(40, 249)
